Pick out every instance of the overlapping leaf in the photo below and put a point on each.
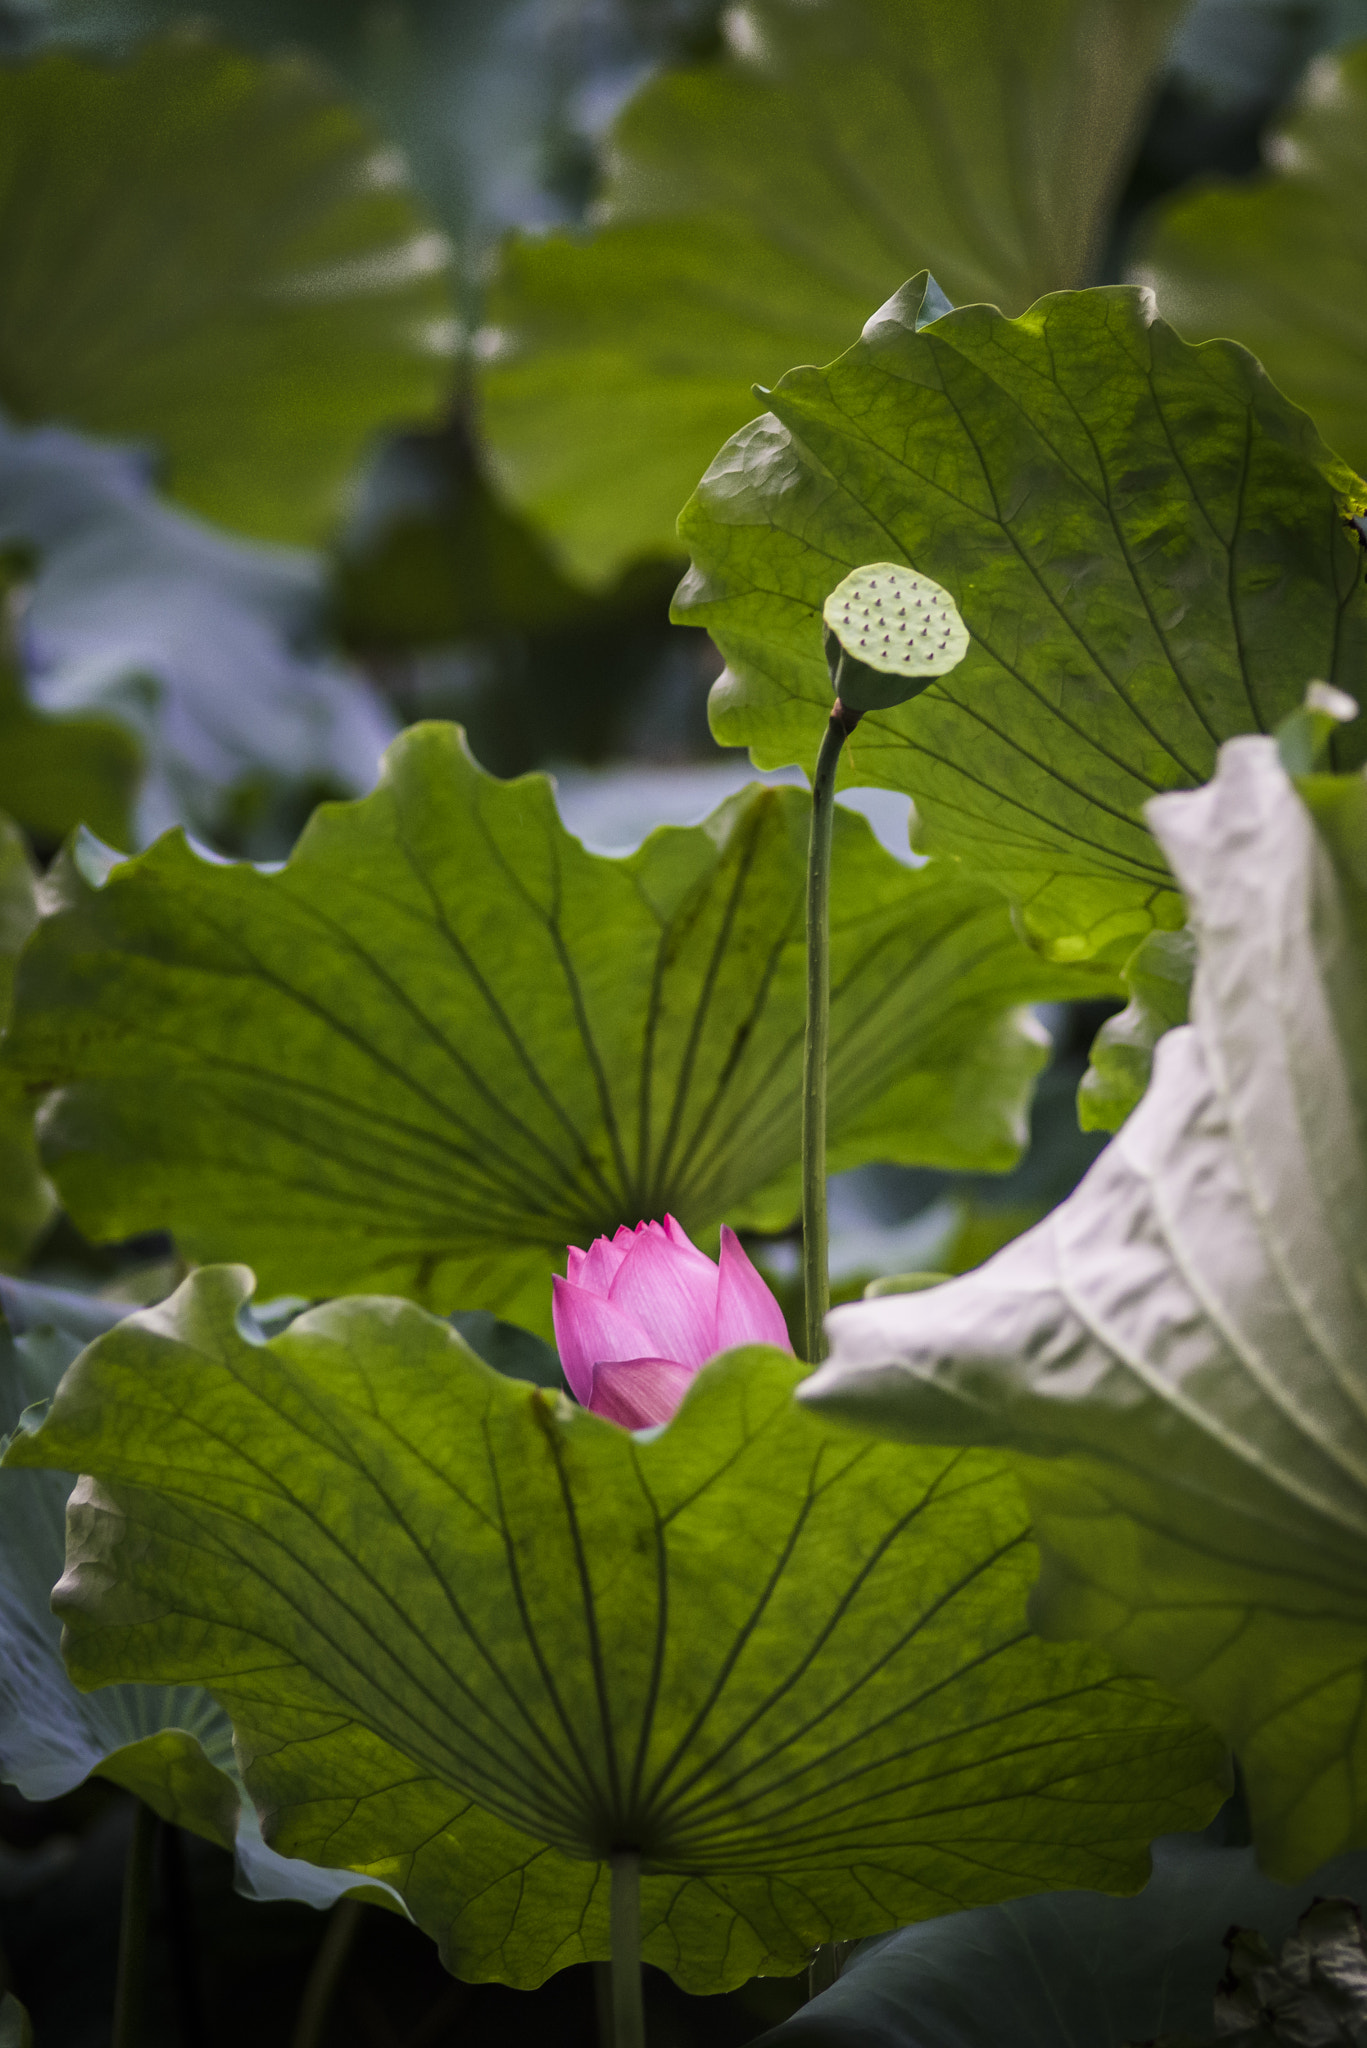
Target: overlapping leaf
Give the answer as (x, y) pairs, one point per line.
(1158, 978)
(63, 770)
(445, 1041)
(25, 1199)
(213, 253)
(757, 211)
(170, 1744)
(206, 649)
(473, 1639)
(1280, 262)
(1071, 1968)
(1179, 1352)
(1144, 539)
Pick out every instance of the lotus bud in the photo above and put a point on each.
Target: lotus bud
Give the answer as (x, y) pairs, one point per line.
(888, 633)
(639, 1313)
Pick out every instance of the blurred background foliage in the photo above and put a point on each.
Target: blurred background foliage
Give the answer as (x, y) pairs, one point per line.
(356, 357)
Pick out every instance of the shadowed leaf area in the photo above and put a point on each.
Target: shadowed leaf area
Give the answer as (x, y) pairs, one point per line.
(472, 1639)
(1280, 261)
(1073, 1968)
(170, 1744)
(755, 210)
(1177, 1354)
(1145, 541)
(254, 288)
(445, 1041)
(25, 1202)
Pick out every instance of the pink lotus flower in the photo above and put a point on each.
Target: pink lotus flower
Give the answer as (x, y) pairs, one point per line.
(641, 1311)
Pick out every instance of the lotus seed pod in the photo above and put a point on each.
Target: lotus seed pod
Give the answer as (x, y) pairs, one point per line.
(890, 632)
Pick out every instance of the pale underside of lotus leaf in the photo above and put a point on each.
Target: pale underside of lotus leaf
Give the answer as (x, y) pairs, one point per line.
(1176, 1355)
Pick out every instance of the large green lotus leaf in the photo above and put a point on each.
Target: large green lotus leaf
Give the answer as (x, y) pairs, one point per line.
(25, 1198)
(1280, 261)
(1073, 1969)
(214, 253)
(1145, 542)
(473, 1639)
(1179, 1352)
(757, 210)
(445, 1041)
(171, 1744)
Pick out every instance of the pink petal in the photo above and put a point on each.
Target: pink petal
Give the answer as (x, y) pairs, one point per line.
(684, 1244)
(638, 1391)
(588, 1329)
(601, 1261)
(746, 1311)
(671, 1295)
(574, 1263)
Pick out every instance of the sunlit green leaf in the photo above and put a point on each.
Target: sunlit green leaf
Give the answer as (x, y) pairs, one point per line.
(473, 1639)
(757, 210)
(1179, 1352)
(1279, 261)
(168, 1743)
(1145, 542)
(1070, 1968)
(1158, 977)
(25, 1199)
(213, 253)
(445, 1041)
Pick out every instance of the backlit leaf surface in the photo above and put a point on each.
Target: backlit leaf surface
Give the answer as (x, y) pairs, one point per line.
(1145, 542)
(473, 1638)
(444, 1041)
(1179, 1352)
(758, 209)
(213, 253)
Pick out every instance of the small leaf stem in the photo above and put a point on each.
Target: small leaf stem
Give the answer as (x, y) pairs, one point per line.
(815, 1268)
(131, 1984)
(628, 2008)
(343, 1923)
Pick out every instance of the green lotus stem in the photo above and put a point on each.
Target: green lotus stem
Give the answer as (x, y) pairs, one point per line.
(130, 1987)
(338, 1936)
(815, 1266)
(628, 2008)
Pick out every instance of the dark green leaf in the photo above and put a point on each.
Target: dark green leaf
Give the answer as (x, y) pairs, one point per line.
(757, 210)
(58, 772)
(212, 252)
(1279, 262)
(25, 1199)
(1071, 1969)
(507, 1349)
(445, 1041)
(473, 1638)
(1144, 540)
(1179, 1352)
